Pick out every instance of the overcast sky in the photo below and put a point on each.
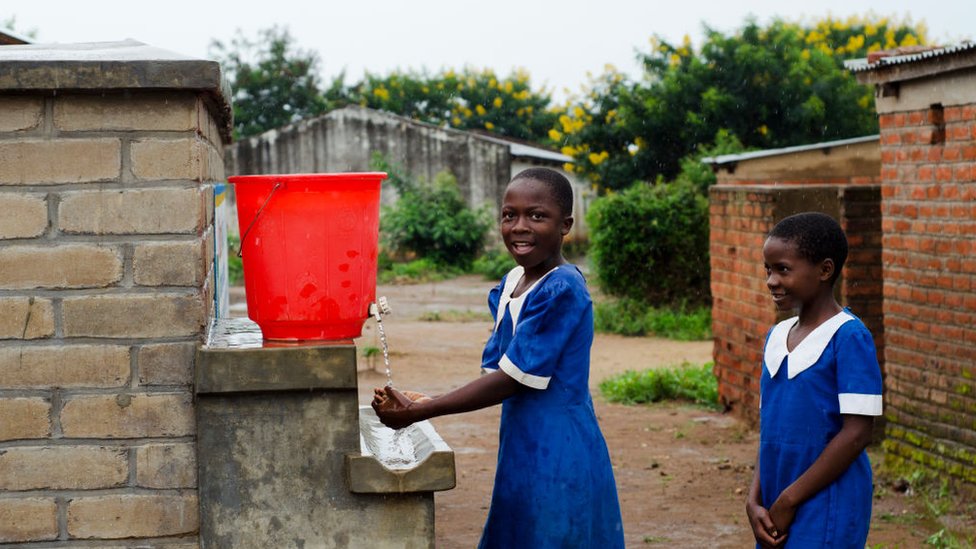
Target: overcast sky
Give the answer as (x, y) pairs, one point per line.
(557, 42)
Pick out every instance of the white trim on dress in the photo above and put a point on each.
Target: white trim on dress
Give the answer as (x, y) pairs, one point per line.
(860, 404)
(807, 352)
(529, 380)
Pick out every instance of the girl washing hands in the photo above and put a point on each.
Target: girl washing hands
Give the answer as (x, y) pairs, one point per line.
(554, 485)
(820, 390)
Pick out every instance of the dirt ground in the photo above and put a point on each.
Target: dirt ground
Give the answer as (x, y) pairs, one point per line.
(681, 472)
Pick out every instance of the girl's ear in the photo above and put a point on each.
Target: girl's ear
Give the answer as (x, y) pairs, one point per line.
(827, 269)
(567, 225)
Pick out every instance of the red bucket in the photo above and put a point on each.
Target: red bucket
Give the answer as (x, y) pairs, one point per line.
(309, 243)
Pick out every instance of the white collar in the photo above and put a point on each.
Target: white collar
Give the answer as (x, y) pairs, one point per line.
(511, 281)
(807, 352)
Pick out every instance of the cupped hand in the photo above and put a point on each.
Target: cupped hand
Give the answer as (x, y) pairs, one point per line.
(394, 408)
(763, 527)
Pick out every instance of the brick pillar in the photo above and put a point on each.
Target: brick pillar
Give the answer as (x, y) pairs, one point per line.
(927, 117)
(106, 284)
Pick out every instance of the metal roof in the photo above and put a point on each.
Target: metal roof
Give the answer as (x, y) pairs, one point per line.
(862, 65)
(733, 158)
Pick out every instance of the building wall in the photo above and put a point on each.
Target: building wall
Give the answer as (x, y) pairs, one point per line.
(106, 253)
(741, 215)
(928, 153)
(346, 140)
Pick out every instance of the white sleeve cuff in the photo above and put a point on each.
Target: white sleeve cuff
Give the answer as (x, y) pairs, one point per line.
(860, 404)
(529, 380)
(487, 370)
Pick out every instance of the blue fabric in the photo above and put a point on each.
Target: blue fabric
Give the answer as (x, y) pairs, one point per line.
(798, 417)
(554, 484)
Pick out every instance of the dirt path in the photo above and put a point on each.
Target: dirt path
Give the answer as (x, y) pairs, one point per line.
(681, 472)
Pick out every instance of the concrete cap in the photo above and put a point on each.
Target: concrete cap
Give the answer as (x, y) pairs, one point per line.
(106, 66)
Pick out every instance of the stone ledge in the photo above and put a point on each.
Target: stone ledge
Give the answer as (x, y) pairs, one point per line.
(122, 65)
(235, 360)
(430, 468)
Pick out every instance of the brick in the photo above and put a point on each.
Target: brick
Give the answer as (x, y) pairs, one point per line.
(56, 161)
(169, 264)
(20, 113)
(67, 366)
(28, 519)
(132, 516)
(64, 468)
(166, 364)
(63, 266)
(128, 416)
(130, 112)
(147, 211)
(26, 318)
(24, 418)
(166, 466)
(24, 215)
(133, 316)
(168, 159)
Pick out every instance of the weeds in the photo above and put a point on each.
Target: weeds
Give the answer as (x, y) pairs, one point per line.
(686, 382)
(634, 318)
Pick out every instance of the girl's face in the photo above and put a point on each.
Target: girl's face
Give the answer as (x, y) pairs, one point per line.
(532, 224)
(793, 280)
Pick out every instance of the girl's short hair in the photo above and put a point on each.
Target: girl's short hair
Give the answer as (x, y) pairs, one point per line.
(557, 183)
(816, 236)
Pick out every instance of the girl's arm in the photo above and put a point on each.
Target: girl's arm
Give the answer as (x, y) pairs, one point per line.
(762, 525)
(397, 411)
(840, 453)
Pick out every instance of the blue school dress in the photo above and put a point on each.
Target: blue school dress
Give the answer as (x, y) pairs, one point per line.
(554, 485)
(833, 371)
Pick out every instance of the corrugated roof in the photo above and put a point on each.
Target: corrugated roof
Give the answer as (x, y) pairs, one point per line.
(862, 65)
(733, 158)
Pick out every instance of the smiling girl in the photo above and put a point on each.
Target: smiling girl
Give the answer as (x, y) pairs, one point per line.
(554, 484)
(820, 390)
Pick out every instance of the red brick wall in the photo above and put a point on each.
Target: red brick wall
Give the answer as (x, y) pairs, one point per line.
(742, 311)
(929, 210)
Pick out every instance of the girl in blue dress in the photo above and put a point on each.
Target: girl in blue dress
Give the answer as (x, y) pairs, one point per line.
(554, 484)
(820, 390)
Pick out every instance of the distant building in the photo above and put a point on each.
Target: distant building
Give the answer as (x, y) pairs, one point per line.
(346, 140)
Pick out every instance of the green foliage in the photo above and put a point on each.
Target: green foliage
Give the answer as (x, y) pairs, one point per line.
(493, 264)
(771, 86)
(631, 317)
(467, 100)
(687, 382)
(650, 243)
(273, 83)
(415, 271)
(235, 265)
(431, 221)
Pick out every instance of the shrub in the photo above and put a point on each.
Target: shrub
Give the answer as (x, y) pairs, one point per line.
(493, 264)
(632, 317)
(688, 382)
(650, 243)
(430, 220)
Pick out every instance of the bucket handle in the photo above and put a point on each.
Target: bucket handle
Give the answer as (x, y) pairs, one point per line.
(240, 251)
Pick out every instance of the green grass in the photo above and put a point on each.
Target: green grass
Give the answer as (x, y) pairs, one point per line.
(686, 382)
(455, 315)
(415, 272)
(632, 318)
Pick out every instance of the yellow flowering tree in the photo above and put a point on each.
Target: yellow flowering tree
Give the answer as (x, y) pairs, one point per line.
(470, 100)
(768, 86)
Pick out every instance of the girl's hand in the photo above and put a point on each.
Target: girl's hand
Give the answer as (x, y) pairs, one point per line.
(393, 408)
(782, 513)
(415, 396)
(763, 528)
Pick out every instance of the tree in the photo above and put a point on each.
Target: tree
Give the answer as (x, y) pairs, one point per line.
(273, 83)
(774, 86)
(468, 100)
